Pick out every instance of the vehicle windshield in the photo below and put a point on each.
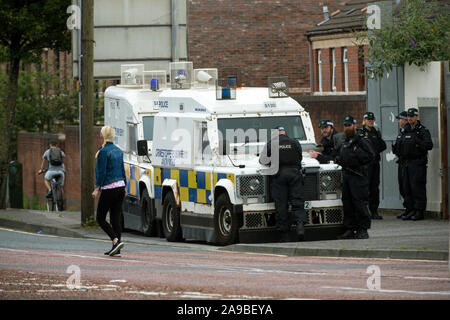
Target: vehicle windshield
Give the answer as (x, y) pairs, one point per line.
(251, 127)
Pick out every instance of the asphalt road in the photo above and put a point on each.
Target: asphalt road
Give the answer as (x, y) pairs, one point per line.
(34, 266)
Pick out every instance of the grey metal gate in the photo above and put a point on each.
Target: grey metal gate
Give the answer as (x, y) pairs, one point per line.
(386, 98)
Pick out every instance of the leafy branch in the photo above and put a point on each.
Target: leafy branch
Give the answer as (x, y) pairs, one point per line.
(417, 33)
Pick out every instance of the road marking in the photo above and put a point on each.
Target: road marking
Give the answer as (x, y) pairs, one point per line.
(444, 293)
(72, 255)
(255, 253)
(148, 293)
(15, 250)
(427, 278)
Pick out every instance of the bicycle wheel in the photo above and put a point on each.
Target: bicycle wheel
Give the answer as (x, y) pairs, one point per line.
(59, 198)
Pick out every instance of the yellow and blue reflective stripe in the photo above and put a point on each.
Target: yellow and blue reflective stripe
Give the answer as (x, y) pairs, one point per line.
(195, 186)
(133, 175)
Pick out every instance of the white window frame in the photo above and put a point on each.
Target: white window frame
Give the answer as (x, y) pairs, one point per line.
(345, 61)
(319, 62)
(333, 79)
(132, 135)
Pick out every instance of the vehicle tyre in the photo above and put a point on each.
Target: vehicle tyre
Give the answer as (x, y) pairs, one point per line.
(171, 219)
(226, 225)
(147, 215)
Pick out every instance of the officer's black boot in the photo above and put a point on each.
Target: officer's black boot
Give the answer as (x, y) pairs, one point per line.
(418, 216)
(300, 231)
(362, 234)
(375, 215)
(284, 237)
(403, 214)
(349, 234)
(409, 215)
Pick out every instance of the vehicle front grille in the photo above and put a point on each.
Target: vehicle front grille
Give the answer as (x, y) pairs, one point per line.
(320, 216)
(311, 187)
(326, 216)
(330, 181)
(251, 186)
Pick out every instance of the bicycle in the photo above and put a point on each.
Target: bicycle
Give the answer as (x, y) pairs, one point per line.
(56, 201)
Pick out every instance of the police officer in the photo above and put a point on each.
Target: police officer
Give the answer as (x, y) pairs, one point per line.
(373, 134)
(402, 119)
(355, 154)
(413, 146)
(329, 151)
(287, 184)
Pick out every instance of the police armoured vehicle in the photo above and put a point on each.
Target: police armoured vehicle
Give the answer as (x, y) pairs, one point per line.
(191, 150)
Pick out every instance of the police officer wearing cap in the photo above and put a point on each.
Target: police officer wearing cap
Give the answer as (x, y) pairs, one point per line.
(379, 145)
(355, 154)
(329, 151)
(287, 184)
(413, 146)
(402, 119)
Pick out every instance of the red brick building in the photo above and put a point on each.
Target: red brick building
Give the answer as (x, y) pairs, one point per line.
(255, 39)
(337, 56)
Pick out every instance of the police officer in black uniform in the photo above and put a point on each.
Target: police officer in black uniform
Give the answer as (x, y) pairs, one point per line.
(402, 119)
(374, 135)
(329, 151)
(287, 184)
(355, 154)
(413, 146)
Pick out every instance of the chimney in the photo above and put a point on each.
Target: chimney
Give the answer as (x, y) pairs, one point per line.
(325, 13)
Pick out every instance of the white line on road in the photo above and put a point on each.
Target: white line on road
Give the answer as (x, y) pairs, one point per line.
(444, 293)
(427, 278)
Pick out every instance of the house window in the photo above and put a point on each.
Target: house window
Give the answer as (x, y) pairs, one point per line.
(345, 61)
(333, 79)
(319, 62)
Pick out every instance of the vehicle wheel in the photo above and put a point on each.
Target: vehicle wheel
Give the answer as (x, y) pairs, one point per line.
(226, 224)
(147, 214)
(171, 219)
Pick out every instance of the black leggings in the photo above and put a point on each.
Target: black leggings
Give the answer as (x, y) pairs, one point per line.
(111, 200)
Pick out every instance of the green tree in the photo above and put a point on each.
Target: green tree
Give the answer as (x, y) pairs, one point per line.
(418, 33)
(26, 28)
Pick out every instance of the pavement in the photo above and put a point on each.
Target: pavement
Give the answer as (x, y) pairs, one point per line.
(390, 238)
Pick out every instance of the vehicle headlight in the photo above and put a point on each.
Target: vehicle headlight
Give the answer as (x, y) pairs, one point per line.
(254, 184)
(325, 181)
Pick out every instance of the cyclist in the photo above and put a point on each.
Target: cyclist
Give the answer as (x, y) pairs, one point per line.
(54, 157)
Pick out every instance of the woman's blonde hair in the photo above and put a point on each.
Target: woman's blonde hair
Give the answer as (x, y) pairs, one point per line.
(108, 134)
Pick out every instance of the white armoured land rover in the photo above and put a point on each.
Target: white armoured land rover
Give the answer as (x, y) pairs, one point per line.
(191, 156)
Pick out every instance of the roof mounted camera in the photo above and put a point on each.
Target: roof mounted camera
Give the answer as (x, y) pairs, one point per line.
(181, 75)
(205, 78)
(278, 87)
(131, 75)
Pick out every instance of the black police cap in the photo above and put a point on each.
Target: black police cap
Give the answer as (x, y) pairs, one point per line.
(413, 112)
(402, 115)
(349, 120)
(369, 116)
(325, 123)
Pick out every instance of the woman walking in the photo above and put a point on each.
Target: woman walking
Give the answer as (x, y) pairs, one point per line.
(110, 184)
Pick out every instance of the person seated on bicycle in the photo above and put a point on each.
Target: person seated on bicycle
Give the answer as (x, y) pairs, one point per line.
(55, 159)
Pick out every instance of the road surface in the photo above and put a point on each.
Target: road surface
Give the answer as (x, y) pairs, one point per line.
(34, 266)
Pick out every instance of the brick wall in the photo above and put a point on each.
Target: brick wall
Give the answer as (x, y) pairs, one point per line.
(31, 147)
(254, 38)
(334, 108)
